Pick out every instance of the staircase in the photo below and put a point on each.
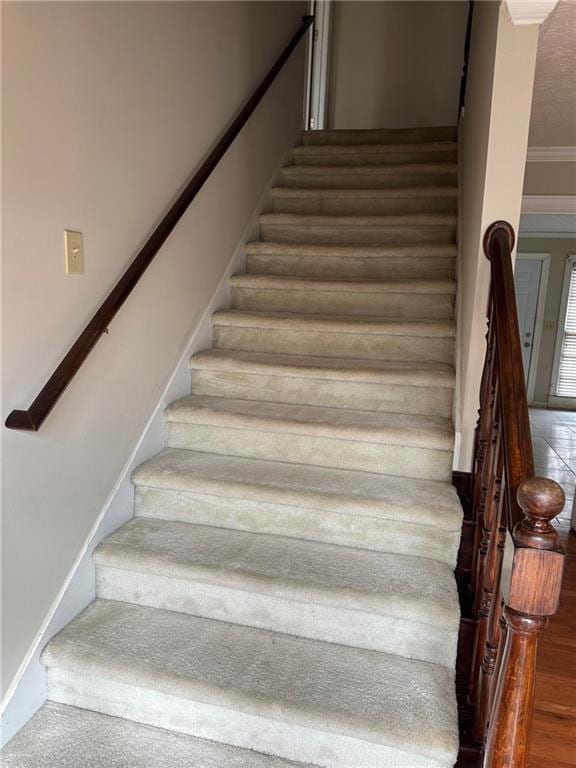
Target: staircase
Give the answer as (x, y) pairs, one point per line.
(286, 585)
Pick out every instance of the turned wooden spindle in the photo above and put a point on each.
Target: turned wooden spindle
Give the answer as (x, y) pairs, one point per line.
(533, 595)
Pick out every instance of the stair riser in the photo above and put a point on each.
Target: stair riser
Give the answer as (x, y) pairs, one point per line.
(361, 206)
(394, 305)
(398, 460)
(343, 267)
(205, 718)
(385, 178)
(361, 530)
(336, 344)
(356, 235)
(378, 136)
(374, 157)
(259, 607)
(389, 398)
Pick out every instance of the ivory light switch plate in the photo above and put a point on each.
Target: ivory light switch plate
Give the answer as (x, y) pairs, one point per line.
(74, 250)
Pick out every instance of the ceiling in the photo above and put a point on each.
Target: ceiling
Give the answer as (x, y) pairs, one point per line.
(553, 120)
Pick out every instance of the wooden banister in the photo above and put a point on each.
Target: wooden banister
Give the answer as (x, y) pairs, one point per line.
(33, 418)
(517, 560)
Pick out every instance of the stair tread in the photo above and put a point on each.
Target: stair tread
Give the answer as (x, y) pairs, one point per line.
(356, 285)
(399, 586)
(394, 192)
(406, 219)
(340, 149)
(407, 373)
(369, 695)
(342, 491)
(366, 170)
(61, 736)
(433, 432)
(362, 136)
(365, 324)
(433, 250)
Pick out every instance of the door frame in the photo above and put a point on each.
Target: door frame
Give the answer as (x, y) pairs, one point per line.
(545, 258)
(318, 65)
(554, 399)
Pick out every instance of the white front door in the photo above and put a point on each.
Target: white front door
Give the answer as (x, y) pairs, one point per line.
(527, 274)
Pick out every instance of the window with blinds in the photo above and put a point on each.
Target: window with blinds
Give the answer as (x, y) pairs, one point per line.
(566, 381)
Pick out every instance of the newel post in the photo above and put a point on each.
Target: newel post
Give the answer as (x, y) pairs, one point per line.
(530, 597)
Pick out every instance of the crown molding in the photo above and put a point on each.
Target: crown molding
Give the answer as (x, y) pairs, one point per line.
(551, 155)
(529, 11)
(549, 204)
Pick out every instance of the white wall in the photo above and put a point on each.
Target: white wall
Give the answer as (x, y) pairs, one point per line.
(396, 64)
(493, 145)
(107, 108)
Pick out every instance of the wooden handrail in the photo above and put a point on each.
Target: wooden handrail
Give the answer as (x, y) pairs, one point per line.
(33, 418)
(513, 510)
(518, 454)
(464, 76)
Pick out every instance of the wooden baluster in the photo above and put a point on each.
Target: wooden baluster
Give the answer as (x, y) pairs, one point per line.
(531, 596)
(485, 697)
(486, 565)
(481, 434)
(492, 471)
(483, 468)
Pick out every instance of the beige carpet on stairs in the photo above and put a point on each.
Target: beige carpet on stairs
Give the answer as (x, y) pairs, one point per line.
(285, 594)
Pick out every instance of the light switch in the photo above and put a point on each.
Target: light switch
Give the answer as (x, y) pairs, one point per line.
(74, 251)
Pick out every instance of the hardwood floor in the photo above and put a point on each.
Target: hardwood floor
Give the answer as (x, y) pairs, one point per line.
(554, 730)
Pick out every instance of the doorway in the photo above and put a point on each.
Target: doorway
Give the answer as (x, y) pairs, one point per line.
(318, 65)
(530, 281)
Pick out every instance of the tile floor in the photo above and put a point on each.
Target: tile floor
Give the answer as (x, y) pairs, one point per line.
(554, 442)
(554, 728)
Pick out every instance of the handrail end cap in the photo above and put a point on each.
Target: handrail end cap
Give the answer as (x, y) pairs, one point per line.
(21, 420)
(497, 226)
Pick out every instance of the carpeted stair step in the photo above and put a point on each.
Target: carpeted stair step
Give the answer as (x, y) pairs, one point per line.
(370, 176)
(60, 736)
(376, 154)
(429, 260)
(369, 385)
(354, 509)
(358, 230)
(372, 338)
(426, 299)
(364, 202)
(392, 603)
(391, 443)
(300, 699)
(379, 136)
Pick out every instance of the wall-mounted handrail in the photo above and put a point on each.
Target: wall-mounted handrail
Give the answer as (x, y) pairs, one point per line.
(514, 594)
(32, 418)
(464, 76)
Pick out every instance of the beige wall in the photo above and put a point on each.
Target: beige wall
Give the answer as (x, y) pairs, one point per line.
(396, 64)
(107, 109)
(494, 140)
(559, 249)
(550, 179)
